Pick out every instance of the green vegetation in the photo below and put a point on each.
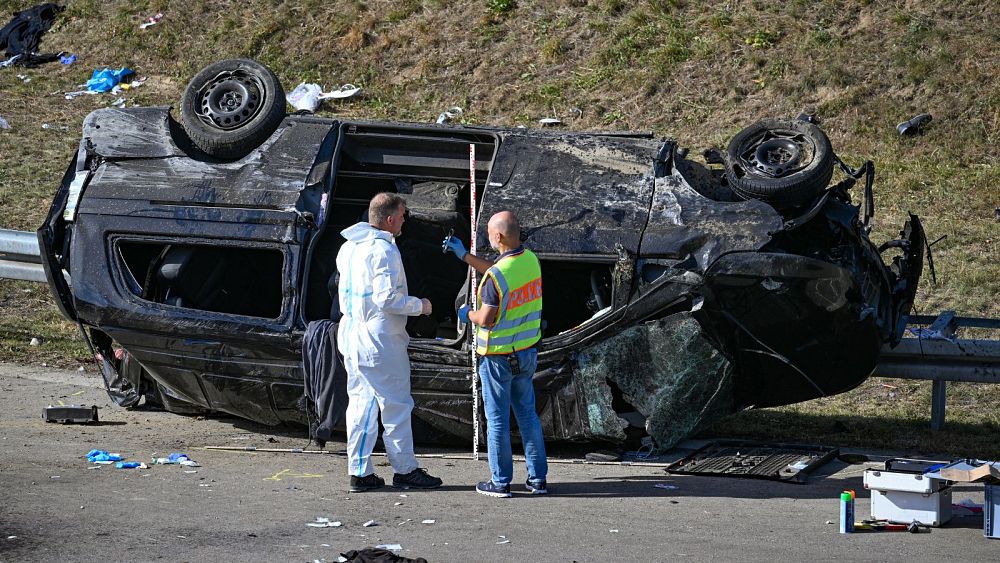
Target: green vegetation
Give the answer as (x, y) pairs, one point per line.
(693, 70)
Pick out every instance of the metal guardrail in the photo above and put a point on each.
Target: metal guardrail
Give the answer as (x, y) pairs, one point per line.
(935, 354)
(20, 258)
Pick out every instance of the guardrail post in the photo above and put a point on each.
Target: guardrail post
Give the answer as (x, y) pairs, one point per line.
(938, 392)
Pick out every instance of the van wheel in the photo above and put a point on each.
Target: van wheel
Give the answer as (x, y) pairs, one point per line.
(231, 107)
(784, 162)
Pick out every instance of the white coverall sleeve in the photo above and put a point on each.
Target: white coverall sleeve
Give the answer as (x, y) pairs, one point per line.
(388, 294)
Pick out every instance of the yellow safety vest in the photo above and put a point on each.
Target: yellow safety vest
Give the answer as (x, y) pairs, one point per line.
(518, 325)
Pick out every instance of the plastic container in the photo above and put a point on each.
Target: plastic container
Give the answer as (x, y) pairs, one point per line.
(991, 511)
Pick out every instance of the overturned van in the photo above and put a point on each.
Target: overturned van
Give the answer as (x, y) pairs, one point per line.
(675, 292)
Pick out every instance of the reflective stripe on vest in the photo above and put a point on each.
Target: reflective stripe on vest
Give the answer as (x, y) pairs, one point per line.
(518, 325)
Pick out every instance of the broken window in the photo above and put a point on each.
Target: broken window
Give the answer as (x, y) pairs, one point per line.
(238, 281)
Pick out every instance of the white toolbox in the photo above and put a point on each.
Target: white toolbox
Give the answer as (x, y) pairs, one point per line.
(903, 497)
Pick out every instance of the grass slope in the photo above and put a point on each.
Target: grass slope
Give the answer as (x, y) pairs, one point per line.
(695, 71)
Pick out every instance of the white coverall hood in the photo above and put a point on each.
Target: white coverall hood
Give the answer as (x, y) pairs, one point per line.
(372, 338)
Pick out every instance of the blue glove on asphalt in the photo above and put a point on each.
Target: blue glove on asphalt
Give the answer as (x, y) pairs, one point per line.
(455, 245)
(463, 312)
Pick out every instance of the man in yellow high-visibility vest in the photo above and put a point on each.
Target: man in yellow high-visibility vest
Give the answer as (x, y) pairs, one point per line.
(509, 322)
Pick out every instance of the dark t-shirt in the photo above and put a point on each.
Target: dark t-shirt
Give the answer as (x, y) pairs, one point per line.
(489, 295)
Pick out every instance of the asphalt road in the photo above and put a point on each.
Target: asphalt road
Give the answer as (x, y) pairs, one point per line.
(255, 506)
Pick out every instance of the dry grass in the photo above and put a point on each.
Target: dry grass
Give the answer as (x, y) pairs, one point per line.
(695, 71)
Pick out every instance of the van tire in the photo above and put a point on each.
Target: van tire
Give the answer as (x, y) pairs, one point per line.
(786, 163)
(231, 107)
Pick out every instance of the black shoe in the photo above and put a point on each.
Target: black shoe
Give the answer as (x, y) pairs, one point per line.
(491, 489)
(536, 487)
(416, 479)
(366, 483)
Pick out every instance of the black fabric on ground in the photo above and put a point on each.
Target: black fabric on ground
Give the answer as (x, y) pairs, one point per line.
(325, 380)
(119, 388)
(378, 555)
(23, 34)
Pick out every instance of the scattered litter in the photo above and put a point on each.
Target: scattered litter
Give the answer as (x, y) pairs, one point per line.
(305, 97)
(799, 465)
(549, 121)
(119, 103)
(345, 91)
(67, 59)
(502, 540)
(10, 61)
(5, 125)
(127, 86)
(24, 78)
(81, 370)
(54, 477)
(12, 537)
(175, 459)
(666, 486)
(78, 93)
(370, 523)
(931, 334)
(105, 79)
(428, 521)
(102, 456)
(405, 521)
(322, 522)
(613, 531)
(390, 546)
(35, 341)
(829, 522)
(96, 466)
(449, 114)
(151, 21)
(397, 504)
(131, 465)
(914, 125)
(402, 496)
(192, 471)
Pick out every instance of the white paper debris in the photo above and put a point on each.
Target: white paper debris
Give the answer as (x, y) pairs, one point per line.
(370, 523)
(322, 522)
(390, 546)
(345, 91)
(613, 531)
(449, 114)
(548, 121)
(428, 521)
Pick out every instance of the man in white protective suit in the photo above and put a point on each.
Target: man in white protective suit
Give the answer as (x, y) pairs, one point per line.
(372, 338)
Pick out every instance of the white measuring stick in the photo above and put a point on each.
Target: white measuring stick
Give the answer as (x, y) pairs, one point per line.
(472, 301)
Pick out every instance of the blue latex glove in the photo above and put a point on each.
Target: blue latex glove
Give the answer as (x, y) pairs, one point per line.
(455, 245)
(463, 313)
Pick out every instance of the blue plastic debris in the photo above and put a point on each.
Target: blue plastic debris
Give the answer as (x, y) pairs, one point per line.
(67, 59)
(101, 456)
(104, 80)
(128, 464)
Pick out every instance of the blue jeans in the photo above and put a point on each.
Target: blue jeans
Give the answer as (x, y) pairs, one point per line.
(501, 393)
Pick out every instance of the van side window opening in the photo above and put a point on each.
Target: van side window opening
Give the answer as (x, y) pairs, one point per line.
(237, 281)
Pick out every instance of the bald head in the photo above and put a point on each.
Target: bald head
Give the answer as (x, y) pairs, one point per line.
(504, 231)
